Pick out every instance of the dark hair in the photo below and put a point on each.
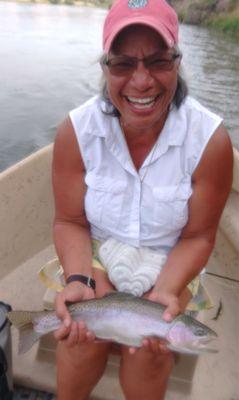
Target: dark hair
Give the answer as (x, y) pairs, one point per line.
(179, 96)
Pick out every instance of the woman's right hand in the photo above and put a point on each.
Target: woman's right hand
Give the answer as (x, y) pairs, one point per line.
(70, 331)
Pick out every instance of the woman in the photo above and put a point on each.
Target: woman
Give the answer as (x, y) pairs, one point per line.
(145, 166)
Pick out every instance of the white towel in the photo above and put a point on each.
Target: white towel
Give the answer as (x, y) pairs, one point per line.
(130, 269)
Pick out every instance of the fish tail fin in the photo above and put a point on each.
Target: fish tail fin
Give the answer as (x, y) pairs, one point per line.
(22, 320)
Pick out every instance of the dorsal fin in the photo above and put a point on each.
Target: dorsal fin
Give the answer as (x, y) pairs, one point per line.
(122, 295)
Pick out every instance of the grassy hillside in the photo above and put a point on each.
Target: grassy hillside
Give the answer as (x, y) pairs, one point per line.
(220, 14)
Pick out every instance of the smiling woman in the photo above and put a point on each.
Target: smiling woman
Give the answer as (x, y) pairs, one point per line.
(141, 175)
(141, 89)
(155, 63)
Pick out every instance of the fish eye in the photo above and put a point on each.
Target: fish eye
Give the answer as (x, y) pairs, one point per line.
(200, 332)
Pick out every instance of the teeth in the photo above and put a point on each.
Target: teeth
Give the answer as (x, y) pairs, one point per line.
(143, 106)
(146, 100)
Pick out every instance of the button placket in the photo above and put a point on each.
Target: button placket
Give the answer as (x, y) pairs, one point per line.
(135, 214)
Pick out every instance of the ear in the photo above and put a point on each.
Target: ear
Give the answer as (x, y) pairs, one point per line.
(102, 61)
(179, 64)
(179, 59)
(104, 68)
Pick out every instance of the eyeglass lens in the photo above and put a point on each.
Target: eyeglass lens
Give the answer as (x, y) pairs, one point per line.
(120, 65)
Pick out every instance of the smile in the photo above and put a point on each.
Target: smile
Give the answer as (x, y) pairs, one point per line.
(142, 103)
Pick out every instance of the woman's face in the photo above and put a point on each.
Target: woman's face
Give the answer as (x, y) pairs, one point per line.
(141, 97)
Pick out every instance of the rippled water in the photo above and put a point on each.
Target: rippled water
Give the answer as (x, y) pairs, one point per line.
(48, 66)
(212, 68)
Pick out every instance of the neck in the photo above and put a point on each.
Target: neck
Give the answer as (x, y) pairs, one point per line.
(140, 142)
(142, 135)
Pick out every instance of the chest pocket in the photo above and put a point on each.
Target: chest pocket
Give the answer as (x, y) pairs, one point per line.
(103, 200)
(171, 205)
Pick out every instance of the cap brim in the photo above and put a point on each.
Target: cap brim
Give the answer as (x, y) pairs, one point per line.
(159, 28)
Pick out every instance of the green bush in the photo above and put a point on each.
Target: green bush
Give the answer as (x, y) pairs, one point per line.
(227, 24)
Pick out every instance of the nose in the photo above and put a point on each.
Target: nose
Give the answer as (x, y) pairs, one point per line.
(141, 78)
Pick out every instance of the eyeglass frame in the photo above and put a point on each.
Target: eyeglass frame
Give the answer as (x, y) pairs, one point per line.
(135, 60)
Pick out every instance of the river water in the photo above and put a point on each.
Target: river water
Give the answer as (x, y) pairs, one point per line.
(48, 65)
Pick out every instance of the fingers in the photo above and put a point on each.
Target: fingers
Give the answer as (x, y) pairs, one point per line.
(62, 332)
(61, 310)
(72, 338)
(90, 337)
(75, 334)
(79, 334)
(70, 331)
(163, 349)
(169, 300)
(83, 334)
(132, 350)
(172, 310)
(155, 346)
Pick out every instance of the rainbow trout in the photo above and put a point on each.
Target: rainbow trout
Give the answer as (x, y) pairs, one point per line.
(122, 318)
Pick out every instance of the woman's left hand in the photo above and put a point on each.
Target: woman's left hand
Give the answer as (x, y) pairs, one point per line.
(171, 302)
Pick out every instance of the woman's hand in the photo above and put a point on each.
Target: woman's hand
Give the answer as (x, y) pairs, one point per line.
(71, 331)
(171, 302)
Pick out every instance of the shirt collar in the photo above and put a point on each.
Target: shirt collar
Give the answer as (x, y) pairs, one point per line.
(108, 127)
(172, 134)
(174, 130)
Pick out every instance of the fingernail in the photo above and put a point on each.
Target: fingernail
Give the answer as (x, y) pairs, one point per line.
(168, 317)
(90, 336)
(67, 323)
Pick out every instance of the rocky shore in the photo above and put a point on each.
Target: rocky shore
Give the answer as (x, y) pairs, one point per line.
(220, 14)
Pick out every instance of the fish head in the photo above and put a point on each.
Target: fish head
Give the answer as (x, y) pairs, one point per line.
(188, 335)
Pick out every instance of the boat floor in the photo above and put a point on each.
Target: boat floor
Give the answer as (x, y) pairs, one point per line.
(23, 393)
(216, 376)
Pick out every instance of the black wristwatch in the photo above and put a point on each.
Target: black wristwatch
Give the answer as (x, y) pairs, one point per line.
(86, 280)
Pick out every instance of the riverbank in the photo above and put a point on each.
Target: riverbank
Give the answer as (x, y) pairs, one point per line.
(219, 14)
(85, 3)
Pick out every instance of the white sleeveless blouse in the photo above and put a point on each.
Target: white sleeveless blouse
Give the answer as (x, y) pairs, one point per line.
(148, 207)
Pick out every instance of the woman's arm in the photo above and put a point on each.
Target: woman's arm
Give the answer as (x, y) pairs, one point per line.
(212, 181)
(71, 229)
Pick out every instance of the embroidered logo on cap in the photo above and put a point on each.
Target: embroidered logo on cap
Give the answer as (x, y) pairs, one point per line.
(137, 3)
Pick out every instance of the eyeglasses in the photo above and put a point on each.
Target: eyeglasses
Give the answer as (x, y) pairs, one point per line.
(125, 65)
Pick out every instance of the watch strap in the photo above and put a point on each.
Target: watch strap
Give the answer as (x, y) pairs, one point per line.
(86, 280)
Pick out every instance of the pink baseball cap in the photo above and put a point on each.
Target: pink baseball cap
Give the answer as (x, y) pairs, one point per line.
(157, 14)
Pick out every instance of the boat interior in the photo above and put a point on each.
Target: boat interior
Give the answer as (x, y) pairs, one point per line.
(26, 213)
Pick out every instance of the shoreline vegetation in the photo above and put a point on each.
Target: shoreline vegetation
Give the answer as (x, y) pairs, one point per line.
(222, 15)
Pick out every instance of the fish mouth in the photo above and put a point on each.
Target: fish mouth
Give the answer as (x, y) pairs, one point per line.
(197, 347)
(203, 342)
(202, 345)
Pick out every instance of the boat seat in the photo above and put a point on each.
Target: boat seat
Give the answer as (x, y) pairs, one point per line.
(26, 213)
